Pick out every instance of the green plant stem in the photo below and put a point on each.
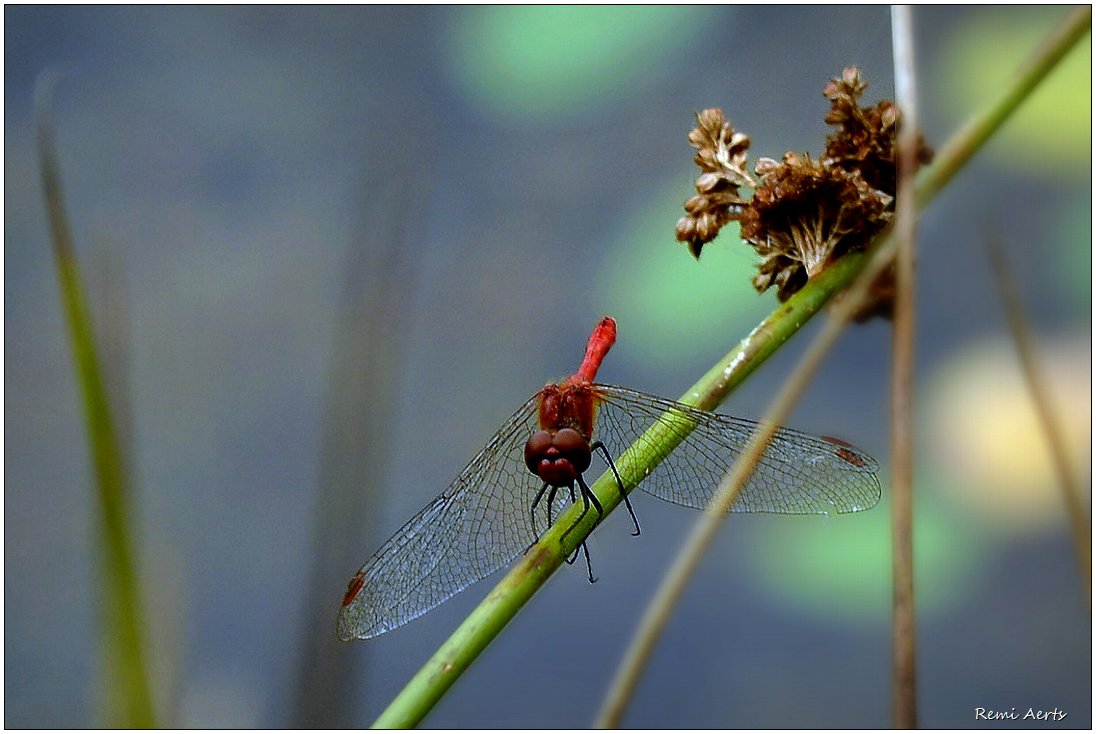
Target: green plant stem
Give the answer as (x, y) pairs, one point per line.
(484, 623)
(930, 182)
(659, 609)
(518, 586)
(129, 699)
(546, 555)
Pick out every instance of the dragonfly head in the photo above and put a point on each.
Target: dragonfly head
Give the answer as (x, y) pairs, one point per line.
(557, 457)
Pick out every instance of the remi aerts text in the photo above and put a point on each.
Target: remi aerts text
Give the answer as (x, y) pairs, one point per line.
(1031, 714)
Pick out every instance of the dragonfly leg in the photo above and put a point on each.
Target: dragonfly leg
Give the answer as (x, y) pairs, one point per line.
(574, 556)
(550, 503)
(586, 552)
(589, 568)
(620, 484)
(588, 499)
(533, 510)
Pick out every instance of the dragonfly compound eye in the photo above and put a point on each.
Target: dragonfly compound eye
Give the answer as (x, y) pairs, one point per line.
(536, 448)
(573, 447)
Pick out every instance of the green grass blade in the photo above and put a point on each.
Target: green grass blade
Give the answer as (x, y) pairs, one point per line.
(129, 698)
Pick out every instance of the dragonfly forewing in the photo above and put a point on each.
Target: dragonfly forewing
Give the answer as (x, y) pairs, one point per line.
(477, 526)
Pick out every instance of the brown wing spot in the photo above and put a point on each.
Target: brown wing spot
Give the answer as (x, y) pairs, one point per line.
(843, 451)
(854, 459)
(353, 588)
(850, 457)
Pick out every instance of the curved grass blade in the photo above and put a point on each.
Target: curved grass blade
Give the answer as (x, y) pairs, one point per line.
(129, 697)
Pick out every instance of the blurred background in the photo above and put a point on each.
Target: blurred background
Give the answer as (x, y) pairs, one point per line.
(329, 250)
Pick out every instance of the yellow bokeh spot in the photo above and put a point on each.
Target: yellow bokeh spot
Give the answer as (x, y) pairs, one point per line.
(986, 438)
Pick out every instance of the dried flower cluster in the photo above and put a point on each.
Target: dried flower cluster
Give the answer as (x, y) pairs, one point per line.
(865, 139)
(803, 213)
(721, 155)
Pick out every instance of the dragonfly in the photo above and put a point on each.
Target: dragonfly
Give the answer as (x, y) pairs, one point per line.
(487, 516)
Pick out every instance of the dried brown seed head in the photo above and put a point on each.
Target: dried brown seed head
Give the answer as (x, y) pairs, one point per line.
(809, 214)
(865, 138)
(804, 213)
(721, 155)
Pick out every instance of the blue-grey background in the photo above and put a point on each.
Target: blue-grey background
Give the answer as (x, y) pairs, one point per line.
(331, 249)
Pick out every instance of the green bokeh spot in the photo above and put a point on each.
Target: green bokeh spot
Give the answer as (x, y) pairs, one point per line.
(523, 61)
(686, 309)
(1053, 127)
(841, 568)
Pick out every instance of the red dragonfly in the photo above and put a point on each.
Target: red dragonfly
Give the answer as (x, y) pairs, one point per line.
(484, 519)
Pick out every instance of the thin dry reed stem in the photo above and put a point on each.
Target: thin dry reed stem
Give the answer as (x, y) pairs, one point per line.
(1036, 381)
(904, 637)
(949, 160)
(485, 622)
(692, 551)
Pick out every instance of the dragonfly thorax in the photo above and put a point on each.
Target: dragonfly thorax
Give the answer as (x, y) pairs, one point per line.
(569, 404)
(557, 457)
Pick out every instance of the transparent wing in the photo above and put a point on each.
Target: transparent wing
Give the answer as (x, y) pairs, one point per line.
(798, 474)
(482, 521)
(478, 525)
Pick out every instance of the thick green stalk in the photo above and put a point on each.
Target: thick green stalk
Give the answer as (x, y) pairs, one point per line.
(519, 585)
(129, 698)
(548, 553)
(958, 150)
